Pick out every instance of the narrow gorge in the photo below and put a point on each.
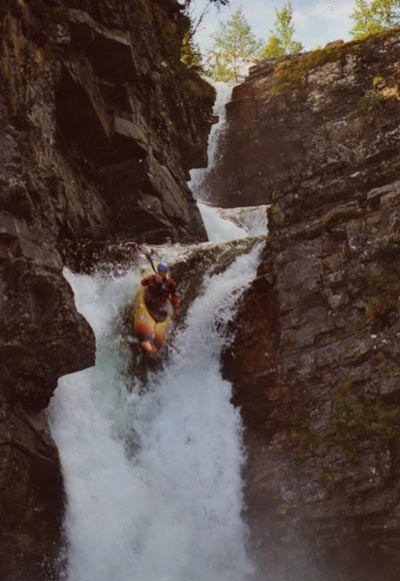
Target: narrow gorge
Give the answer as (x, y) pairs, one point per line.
(263, 443)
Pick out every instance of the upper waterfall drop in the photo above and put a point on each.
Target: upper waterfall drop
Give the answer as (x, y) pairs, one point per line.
(197, 176)
(223, 224)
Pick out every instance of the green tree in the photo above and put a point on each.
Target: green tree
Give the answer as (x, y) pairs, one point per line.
(190, 51)
(235, 47)
(280, 42)
(374, 16)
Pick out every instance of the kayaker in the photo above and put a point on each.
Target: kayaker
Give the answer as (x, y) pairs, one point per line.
(160, 290)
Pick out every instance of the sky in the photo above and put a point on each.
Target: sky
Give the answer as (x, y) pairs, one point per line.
(316, 22)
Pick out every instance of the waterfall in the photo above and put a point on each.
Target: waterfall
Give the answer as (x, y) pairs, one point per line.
(152, 460)
(153, 478)
(234, 223)
(214, 151)
(223, 224)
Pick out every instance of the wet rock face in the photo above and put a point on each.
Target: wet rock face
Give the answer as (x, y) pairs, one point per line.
(99, 126)
(42, 338)
(29, 472)
(115, 121)
(326, 122)
(322, 421)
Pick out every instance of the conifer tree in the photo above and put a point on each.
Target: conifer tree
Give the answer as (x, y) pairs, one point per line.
(235, 47)
(374, 16)
(280, 42)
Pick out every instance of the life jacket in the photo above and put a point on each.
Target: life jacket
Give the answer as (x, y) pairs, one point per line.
(161, 291)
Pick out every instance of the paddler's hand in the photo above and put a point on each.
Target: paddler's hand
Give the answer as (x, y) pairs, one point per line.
(158, 278)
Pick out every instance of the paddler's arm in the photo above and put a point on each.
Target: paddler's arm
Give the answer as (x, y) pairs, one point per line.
(173, 297)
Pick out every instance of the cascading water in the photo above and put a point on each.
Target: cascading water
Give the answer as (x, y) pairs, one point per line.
(152, 466)
(169, 507)
(223, 224)
(234, 223)
(197, 176)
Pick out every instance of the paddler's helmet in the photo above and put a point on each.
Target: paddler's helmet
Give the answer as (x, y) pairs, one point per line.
(162, 267)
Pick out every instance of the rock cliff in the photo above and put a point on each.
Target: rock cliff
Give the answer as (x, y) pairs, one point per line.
(99, 126)
(318, 137)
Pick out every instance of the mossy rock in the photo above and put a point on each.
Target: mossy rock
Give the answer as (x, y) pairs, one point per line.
(356, 417)
(292, 73)
(277, 215)
(383, 284)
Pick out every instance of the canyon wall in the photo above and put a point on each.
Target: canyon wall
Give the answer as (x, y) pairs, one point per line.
(99, 125)
(317, 137)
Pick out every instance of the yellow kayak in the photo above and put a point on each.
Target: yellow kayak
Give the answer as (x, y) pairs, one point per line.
(151, 334)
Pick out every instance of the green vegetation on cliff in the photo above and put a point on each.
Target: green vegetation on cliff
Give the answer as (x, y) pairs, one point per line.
(374, 16)
(293, 72)
(355, 417)
(383, 285)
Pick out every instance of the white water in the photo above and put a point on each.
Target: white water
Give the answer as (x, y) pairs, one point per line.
(153, 477)
(223, 224)
(214, 151)
(168, 508)
(232, 224)
(218, 228)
